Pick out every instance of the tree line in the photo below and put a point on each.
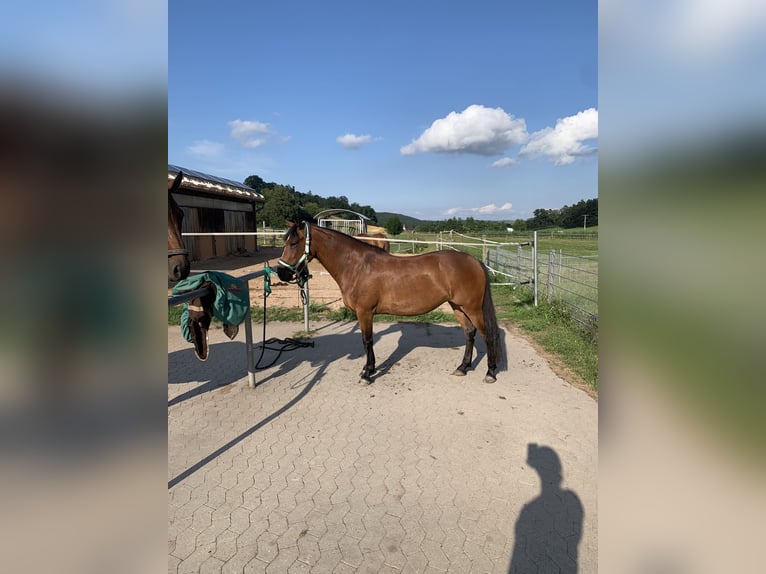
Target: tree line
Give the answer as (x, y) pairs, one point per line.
(284, 202)
(567, 217)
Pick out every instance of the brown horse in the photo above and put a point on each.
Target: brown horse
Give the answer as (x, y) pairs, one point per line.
(373, 281)
(178, 255)
(382, 243)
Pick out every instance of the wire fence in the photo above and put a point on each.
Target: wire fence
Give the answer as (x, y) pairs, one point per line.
(569, 279)
(572, 280)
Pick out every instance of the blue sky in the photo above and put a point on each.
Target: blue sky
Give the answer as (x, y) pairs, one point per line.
(432, 109)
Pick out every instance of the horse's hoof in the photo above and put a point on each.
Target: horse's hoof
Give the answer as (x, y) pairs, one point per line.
(489, 379)
(458, 373)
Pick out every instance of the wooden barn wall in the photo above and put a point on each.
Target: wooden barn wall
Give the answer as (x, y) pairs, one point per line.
(210, 220)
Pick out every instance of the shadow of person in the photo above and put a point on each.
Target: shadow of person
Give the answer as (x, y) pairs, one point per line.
(549, 528)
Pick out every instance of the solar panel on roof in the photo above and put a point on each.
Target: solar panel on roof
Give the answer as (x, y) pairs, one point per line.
(214, 184)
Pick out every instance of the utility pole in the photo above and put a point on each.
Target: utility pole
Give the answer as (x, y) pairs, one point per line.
(585, 221)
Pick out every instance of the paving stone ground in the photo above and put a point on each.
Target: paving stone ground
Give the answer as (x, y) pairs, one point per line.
(420, 471)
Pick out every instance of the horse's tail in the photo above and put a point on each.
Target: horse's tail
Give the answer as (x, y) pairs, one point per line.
(491, 330)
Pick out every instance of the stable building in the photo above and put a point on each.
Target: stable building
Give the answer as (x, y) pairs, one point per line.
(216, 205)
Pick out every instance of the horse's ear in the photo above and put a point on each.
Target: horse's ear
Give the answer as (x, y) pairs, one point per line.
(172, 188)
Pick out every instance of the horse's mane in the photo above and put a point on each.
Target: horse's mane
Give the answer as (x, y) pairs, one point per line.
(293, 232)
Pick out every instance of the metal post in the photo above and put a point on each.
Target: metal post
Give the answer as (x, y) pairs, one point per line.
(518, 261)
(249, 342)
(534, 263)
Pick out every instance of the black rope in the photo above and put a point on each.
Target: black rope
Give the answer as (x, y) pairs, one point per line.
(289, 344)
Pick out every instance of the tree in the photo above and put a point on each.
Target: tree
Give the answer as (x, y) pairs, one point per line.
(279, 205)
(394, 225)
(542, 218)
(258, 184)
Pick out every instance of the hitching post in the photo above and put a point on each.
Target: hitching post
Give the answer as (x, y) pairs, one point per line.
(249, 342)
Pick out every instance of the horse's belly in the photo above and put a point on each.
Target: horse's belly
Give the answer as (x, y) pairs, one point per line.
(411, 303)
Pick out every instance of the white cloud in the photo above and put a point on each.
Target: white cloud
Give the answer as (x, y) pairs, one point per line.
(353, 141)
(505, 161)
(564, 142)
(205, 148)
(244, 131)
(492, 208)
(488, 209)
(477, 130)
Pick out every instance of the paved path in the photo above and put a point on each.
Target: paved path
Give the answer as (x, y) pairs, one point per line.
(420, 471)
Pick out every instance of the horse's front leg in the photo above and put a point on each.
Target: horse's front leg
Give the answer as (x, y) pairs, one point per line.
(365, 325)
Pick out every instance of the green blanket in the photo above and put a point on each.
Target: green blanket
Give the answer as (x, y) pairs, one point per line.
(231, 303)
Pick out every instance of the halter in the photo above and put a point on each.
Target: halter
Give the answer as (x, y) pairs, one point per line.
(301, 266)
(172, 252)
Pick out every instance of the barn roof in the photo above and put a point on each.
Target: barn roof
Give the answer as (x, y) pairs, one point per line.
(212, 184)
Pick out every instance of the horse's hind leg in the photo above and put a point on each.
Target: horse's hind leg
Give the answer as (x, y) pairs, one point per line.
(365, 325)
(470, 335)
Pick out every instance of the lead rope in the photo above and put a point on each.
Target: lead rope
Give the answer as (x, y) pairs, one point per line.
(288, 344)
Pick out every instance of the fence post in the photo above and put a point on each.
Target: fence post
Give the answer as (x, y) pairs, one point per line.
(551, 263)
(534, 263)
(484, 248)
(518, 261)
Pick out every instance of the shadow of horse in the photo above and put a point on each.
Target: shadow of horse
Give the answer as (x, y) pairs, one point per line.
(431, 335)
(223, 366)
(226, 364)
(412, 335)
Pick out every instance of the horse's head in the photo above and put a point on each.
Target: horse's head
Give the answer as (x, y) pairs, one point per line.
(178, 256)
(296, 254)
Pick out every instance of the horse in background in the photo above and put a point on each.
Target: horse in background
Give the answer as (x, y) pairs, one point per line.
(370, 239)
(373, 281)
(178, 255)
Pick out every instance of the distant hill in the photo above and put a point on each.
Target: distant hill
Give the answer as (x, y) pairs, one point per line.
(407, 221)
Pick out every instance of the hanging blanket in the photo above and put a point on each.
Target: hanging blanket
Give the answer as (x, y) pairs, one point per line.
(229, 304)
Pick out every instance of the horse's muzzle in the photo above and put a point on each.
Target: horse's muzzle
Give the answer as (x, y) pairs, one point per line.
(285, 274)
(178, 268)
